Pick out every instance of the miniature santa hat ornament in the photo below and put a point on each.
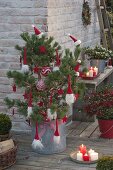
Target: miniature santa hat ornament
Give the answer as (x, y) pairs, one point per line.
(70, 98)
(76, 42)
(29, 109)
(76, 68)
(37, 31)
(56, 134)
(57, 64)
(25, 67)
(36, 142)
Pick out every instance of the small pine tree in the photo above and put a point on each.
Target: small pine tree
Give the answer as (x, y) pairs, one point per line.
(44, 76)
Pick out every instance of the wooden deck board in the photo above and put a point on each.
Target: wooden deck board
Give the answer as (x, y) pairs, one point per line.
(77, 133)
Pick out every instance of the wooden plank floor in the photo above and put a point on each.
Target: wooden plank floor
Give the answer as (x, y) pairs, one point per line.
(77, 133)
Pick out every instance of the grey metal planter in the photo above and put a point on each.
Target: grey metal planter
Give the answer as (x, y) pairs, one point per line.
(100, 64)
(46, 133)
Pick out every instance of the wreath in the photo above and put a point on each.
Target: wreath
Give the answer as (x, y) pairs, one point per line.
(86, 14)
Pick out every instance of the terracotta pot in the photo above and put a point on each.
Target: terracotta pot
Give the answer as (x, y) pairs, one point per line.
(106, 128)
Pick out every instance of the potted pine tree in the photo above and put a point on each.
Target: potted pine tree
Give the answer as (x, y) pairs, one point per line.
(49, 81)
(100, 103)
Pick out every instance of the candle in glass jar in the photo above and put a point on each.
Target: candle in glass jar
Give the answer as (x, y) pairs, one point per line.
(96, 70)
(94, 156)
(91, 72)
(79, 156)
(82, 149)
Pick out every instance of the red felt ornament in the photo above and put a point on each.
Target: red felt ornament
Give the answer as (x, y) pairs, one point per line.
(37, 142)
(25, 95)
(64, 119)
(14, 88)
(60, 91)
(42, 49)
(57, 64)
(45, 71)
(56, 133)
(37, 31)
(36, 69)
(76, 42)
(70, 98)
(40, 104)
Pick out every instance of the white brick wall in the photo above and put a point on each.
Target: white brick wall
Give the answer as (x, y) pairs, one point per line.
(62, 17)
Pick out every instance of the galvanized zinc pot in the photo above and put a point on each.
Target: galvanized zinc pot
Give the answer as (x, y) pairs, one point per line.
(46, 133)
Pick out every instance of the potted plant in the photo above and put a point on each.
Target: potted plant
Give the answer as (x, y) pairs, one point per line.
(48, 79)
(98, 56)
(5, 126)
(105, 163)
(100, 103)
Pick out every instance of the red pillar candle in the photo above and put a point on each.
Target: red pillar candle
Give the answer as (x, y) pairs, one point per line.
(86, 157)
(82, 149)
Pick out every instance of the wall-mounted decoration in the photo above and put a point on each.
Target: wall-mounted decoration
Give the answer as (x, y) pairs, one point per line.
(86, 13)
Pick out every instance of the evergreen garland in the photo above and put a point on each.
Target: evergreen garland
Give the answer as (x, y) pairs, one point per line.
(86, 14)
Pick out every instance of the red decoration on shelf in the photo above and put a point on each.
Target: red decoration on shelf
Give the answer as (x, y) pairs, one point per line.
(42, 49)
(14, 88)
(90, 78)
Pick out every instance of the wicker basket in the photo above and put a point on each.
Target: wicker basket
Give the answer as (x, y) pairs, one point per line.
(8, 158)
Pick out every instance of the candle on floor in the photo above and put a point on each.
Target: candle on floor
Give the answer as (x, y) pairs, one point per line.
(79, 156)
(82, 149)
(94, 156)
(86, 157)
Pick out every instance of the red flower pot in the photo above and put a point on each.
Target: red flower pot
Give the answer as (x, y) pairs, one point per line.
(106, 128)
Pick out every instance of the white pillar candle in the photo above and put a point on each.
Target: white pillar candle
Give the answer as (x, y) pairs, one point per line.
(87, 74)
(91, 72)
(79, 156)
(91, 151)
(94, 156)
(96, 70)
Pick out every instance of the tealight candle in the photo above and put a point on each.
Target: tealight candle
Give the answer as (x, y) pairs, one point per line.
(94, 156)
(79, 156)
(82, 149)
(96, 70)
(91, 72)
(86, 157)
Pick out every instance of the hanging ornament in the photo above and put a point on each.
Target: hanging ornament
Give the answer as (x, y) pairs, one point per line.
(40, 104)
(37, 31)
(76, 96)
(86, 13)
(56, 134)
(64, 119)
(36, 142)
(25, 67)
(42, 49)
(109, 65)
(40, 85)
(29, 109)
(57, 64)
(70, 98)
(36, 69)
(76, 42)
(76, 68)
(25, 95)
(60, 92)
(49, 115)
(14, 88)
(45, 71)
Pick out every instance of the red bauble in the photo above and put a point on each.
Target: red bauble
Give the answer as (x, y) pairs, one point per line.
(86, 157)
(60, 91)
(40, 104)
(45, 71)
(42, 49)
(40, 85)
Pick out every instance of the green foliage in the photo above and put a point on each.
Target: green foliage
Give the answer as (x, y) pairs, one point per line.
(5, 124)
(100, 103)
(105, 163)
(53, 81)
(98, 52)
